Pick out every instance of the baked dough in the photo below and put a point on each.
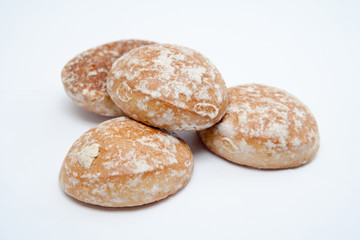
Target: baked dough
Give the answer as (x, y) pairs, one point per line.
(123, 163)
(264, 127)
(84, 77)
(169, 87)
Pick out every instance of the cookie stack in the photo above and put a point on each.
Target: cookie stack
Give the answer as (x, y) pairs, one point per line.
(135, 159)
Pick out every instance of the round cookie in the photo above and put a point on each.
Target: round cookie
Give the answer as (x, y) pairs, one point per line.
(122, 162)
(84, 77)
(169, 87)
(264, 127)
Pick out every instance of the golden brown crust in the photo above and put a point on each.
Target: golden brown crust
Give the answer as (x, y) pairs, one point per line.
(168, 86)
(84, 77)
(264, 127)
(125, 163)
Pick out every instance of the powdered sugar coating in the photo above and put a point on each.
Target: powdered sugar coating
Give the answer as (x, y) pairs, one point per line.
(264, 127)
(187, 90)
(135, 164)
(84, 77)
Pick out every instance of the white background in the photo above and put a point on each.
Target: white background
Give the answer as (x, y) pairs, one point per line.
(309, 48)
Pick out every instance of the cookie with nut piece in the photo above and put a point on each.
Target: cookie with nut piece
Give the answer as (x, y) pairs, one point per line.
(122, 162)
